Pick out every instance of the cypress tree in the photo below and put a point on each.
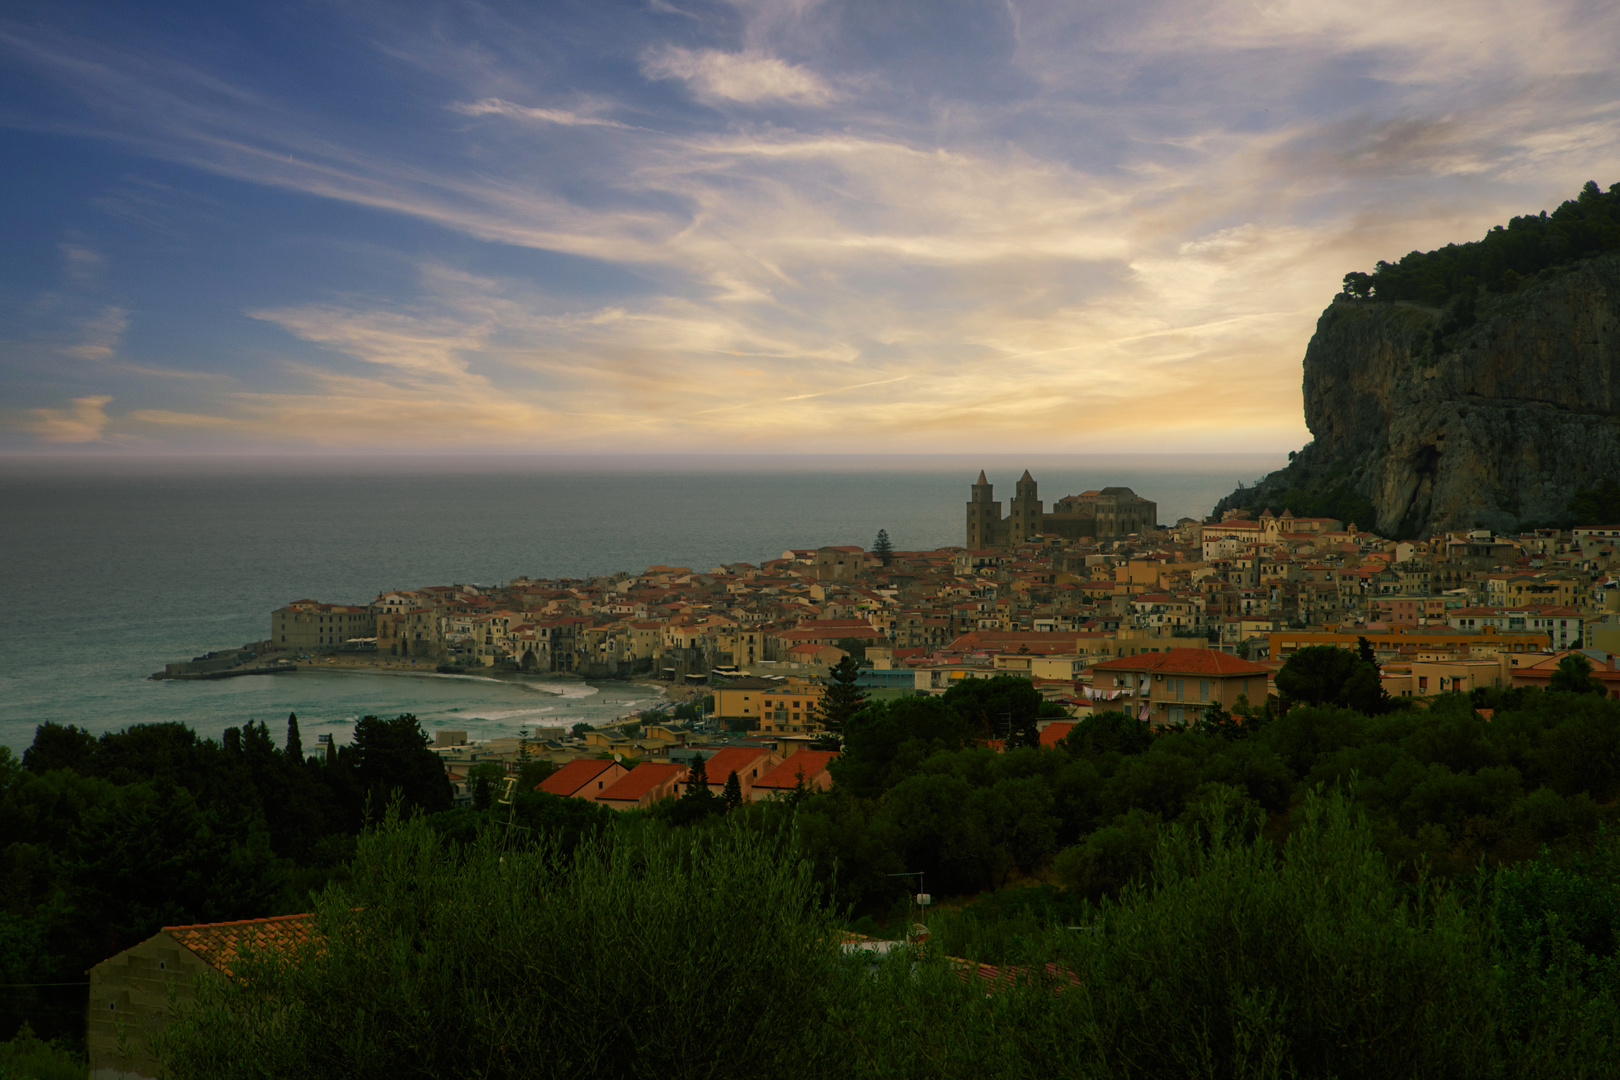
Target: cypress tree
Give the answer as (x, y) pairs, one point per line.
(295, 745)
(731, 796)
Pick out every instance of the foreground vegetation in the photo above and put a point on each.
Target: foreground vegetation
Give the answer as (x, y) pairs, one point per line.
(647, 952)
(1354, 886)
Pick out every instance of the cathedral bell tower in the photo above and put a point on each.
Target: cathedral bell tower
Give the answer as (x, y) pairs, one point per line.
(983, 515)
(1025, 517)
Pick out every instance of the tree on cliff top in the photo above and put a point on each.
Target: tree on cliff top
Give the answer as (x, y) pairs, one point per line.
(1584, 226)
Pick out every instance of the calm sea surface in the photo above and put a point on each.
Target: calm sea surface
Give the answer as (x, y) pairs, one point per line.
(111, 570)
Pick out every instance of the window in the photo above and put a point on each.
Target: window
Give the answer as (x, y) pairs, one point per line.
(1203, 689)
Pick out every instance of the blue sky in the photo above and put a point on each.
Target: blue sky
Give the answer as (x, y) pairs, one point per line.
(741, 227)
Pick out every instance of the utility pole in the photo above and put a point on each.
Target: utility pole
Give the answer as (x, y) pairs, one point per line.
(916, 900)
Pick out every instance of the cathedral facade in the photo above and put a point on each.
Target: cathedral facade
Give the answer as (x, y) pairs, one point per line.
(1105, 514)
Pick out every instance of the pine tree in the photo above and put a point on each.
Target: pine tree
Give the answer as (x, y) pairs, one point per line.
(882, 548)
(295, 745)
(841, 699)
(697, 780)
(731, 796)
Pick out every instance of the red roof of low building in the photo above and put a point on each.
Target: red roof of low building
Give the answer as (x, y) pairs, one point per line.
(732, 759)
(574, 775)
(219, 944)
(642, 779)
(806, 763)
(1184, 662)
(1051, 734)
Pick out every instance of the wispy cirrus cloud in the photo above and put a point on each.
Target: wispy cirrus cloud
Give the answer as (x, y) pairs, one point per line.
(772, 224)
(99, 335)
(494, 106)
(749, 77)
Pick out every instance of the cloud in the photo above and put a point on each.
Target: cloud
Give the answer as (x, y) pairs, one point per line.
(746, 77)
(494, 106)
(1116, 235)
(83, 422)
(83, 263)
(406, 341)
(99, 335)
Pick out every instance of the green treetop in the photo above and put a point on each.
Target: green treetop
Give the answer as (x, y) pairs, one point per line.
(882, 548)
(842, 699)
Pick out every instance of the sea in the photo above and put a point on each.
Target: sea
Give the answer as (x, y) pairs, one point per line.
(112, 567)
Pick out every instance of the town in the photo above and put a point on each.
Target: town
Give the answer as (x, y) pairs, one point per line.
(1096, 603)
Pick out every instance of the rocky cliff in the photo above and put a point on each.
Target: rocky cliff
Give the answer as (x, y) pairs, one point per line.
(1490, 412)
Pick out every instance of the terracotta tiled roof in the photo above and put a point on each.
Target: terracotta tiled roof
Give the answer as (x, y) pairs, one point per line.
(1052, 733)
(642, 779)
(1184, 662)
(808, 763)
(738, 759)
(219, 943)
(574, 775)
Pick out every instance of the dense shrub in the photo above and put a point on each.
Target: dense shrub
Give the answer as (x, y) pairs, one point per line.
(674, 953)
(645, 953)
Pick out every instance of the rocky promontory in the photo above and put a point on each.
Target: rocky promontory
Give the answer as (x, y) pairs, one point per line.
(1491, 411)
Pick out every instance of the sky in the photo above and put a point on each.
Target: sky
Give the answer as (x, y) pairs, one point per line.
(662, 226)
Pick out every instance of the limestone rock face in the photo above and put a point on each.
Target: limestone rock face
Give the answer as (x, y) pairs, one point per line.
(1492, 424)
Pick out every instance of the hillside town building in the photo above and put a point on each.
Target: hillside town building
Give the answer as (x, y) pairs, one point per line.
(1093, 602)
(1104, 514)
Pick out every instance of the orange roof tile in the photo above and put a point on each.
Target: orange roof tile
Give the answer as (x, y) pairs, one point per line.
(574, 775)
(1051, 734)
(806, 763)
(736, 759)
(642, 779)
(220, 943)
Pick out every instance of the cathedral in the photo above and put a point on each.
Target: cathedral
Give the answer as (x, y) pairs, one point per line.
(1111, 512)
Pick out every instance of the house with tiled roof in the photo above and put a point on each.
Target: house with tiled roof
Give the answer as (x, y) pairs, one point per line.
(1175, 687)
(748, 762)
(644, 785)
(807, 766)
(583, 778)
(1605, 670)
(129, 992)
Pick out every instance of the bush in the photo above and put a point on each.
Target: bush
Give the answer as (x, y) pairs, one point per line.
(641, 955)
(28, 1058)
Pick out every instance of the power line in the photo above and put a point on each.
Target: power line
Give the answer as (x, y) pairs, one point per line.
(13, 986)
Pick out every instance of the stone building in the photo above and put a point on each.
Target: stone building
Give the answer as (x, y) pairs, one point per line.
(315, 627)
(1103, 514)
(129, 993)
